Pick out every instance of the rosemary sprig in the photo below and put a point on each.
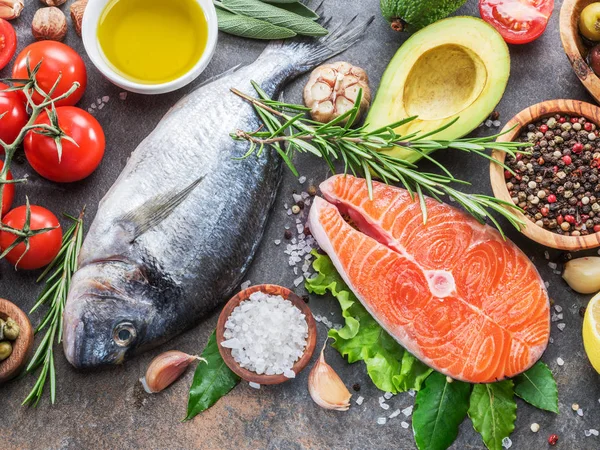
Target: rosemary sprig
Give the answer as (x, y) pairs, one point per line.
(55, 295)
(289, 130)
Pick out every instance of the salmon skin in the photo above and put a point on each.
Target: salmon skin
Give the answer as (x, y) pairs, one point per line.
(176, 233)
(452, 292)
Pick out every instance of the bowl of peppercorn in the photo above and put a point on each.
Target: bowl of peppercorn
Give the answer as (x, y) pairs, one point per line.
(580, 35)
(557, 182)
(16, 340)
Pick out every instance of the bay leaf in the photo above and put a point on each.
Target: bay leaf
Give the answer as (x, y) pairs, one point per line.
(440, 408)
(538, 387)
(249, 27)
(276, 16)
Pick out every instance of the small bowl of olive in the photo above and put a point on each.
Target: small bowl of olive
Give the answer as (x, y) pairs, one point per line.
(16, 340)
(580, 35)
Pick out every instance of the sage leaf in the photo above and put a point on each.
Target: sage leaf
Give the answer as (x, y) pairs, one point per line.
(538, 387)
(212, 380)
(282, 2)
(440, 408)
(298, 8)
(250, 28)
(276, 16)
(493, 412)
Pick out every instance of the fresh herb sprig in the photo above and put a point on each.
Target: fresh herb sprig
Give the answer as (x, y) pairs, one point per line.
(360, 151)
(59, 274)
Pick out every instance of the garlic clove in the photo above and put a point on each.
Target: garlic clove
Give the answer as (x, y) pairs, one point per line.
(165, 369)
(343, 105)
(583, 274)
(326, 387)
(10, 9)
(321, 91)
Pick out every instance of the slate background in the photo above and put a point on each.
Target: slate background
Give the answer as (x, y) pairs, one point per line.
(107, 409)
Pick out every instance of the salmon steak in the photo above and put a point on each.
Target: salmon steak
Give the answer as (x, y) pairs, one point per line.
(451, 291)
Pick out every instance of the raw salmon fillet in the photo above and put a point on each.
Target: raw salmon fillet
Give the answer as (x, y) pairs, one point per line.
(452, 292)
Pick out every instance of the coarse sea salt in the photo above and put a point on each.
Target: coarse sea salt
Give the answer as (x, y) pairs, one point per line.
(254, 385)
(388, 395)
(381, 421)
(359, 401)
(394, 414)
(561, 326)
(591, 432)
(266, 334)
(506, 442)
(404, 425)
(407, 411)
(560, 361)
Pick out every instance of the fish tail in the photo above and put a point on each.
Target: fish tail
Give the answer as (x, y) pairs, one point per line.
(307, 53)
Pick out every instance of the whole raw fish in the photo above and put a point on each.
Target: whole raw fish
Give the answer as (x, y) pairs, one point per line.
(177, 231)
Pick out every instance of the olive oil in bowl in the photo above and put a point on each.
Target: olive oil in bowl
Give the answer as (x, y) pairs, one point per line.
(152, 41)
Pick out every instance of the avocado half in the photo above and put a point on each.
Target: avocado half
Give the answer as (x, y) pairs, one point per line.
(457, 67)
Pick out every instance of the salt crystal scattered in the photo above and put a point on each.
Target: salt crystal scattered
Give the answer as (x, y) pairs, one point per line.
(381, 421)
(580, 412)
(591, 432)
(99, 101)
(381, 400)
(297, 198)
(506, 442)
(546, 284)
(384, 406)
(404, 425)
(488, 123)
(105, 99)
(551, 340)
(407, 411)
(560, 361)
(412, 392)
(302, 179)
(394, 414)
(305, 195)
(287, 227)
(556, 317)
(561, 326)
(277, 241)
(123, 95)
(388, 395)
(552, 265)
(93, 106)
(299, 228)
(546, 254)
(497, 123)
(254, 385)
(101, 106)
(286, 206)
(289, 213)
(558, 308)
(359, 401)
(298, 281)
(90, 110)
(245, 285)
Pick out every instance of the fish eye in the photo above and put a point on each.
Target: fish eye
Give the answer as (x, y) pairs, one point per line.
(124, 334)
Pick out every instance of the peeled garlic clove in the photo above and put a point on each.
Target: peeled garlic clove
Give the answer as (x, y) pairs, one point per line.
(165, 369)
(333, 88)
(10, 9)
(583, 274)
(326, 388)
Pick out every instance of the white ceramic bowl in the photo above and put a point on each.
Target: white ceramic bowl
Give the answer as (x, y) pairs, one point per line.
(89, 32)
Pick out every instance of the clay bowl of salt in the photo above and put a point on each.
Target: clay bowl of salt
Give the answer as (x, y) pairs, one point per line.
(265, 339)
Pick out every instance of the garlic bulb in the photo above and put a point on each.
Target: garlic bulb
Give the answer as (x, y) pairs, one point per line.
(583, 274)
(165, 369)
(326, 388)
(332, 90)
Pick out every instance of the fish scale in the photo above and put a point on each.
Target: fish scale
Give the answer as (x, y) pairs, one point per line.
(177, 231)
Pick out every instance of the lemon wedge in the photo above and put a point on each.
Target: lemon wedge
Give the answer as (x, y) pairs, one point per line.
(591, 332)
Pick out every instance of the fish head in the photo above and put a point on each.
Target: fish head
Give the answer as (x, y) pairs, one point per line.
(110, 313)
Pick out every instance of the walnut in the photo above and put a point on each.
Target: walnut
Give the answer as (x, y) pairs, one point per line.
(77, 10)
(332, 90)
(53, 2)
(49, 24)
(10, 9)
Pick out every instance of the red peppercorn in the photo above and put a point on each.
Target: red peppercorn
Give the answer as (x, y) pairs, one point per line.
(552, 198)
(569, 218)
(544, 211)
(544, 128)
(519, 156)
(596, 228)
(560, 219)
(574, 120)
(562, 120)
(507, 174)
(553, 439)
(577, 147)
(567, 159)
(587, 126)
(555, 169)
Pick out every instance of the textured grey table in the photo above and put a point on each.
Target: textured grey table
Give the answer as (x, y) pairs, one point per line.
(107, 409)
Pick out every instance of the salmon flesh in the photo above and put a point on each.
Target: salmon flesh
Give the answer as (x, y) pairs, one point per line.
(452, 292)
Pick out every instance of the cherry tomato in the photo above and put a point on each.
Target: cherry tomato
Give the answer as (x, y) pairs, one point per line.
(8, 42)
(77, 161)
(15, 116)
(43, 247)
(518, 21)
(58, 58)
(9, 193)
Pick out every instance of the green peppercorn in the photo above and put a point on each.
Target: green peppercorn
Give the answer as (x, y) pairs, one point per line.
(5, 350)
(11, 330)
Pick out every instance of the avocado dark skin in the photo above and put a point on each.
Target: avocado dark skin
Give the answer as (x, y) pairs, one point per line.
(594, 59)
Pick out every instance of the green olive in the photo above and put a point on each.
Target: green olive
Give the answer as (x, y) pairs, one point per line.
(589, 22)
(11, 330)
(5, 350)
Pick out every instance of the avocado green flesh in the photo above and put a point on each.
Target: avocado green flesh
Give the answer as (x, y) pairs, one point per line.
(458, 67)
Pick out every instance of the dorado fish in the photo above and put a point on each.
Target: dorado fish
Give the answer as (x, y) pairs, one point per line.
(177, 231)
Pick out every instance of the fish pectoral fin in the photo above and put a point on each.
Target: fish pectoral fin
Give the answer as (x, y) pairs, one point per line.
(158, 208)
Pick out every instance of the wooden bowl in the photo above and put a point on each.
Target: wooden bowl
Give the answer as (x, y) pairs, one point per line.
(22, 347)
(574, 47)
(525, 117)
(272, 290)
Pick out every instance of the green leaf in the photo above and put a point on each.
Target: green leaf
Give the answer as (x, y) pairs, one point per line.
(493, 412)
(276, 16)
(212, 380)
(250, 28)
(390, 367)
(440, 408)
(297, 8)
(538, 387)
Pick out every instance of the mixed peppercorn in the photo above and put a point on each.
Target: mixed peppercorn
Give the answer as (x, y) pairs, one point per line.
(558, 183)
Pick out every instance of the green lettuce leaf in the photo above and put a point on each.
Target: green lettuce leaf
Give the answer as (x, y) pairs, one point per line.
(212, 380)
(493, 412)
(538, 387)
(390, 367)
(440, 408)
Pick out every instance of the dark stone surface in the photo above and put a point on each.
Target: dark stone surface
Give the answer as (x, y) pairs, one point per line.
(108, 409)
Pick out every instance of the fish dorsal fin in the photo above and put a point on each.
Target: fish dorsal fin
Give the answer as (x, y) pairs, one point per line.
(158, 208)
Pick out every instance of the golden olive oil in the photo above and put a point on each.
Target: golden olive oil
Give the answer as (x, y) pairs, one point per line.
(152, 41)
